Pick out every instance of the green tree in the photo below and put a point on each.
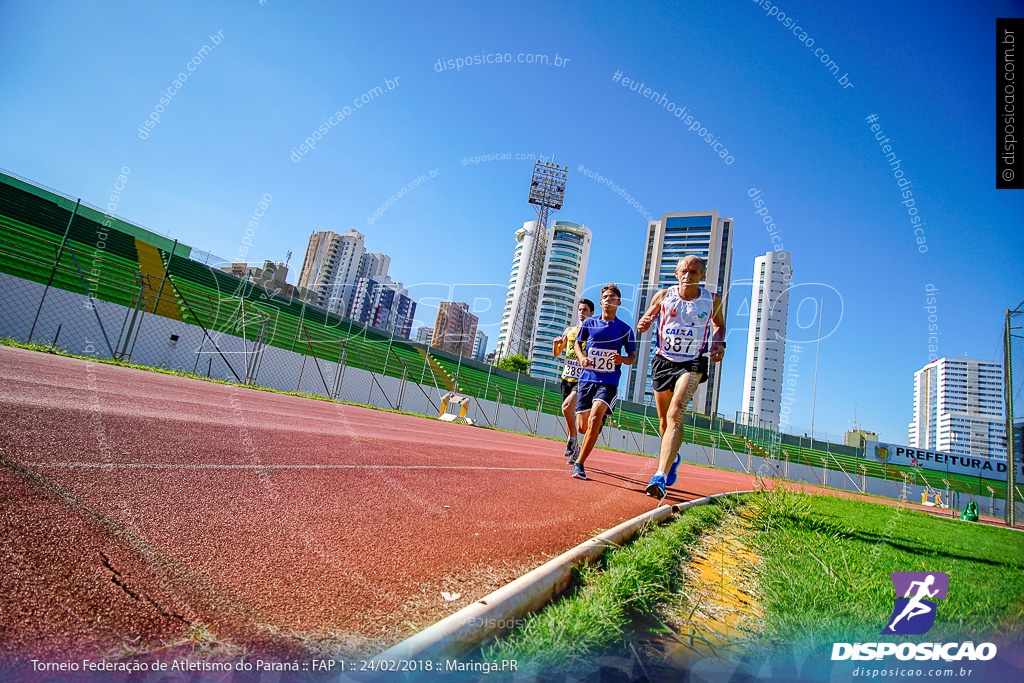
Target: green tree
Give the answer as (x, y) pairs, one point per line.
(516, 363)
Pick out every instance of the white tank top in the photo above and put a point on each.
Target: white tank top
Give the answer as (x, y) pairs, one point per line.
(684, 327)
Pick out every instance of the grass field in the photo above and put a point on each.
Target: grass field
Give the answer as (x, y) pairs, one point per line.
(827, 560)
(822, 576)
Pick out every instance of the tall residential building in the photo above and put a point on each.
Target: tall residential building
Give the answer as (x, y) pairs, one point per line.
(333, 265)
(454, 328)
(424, 334)
(479, 346)
(676, 235)
(559, 284)
(766, 337)
(958, 408)
(384, 304)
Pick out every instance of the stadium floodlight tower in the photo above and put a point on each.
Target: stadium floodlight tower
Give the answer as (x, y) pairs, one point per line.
(547, 189)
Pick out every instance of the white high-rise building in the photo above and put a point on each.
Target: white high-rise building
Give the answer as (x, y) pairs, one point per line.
(511, 340)
(958, 408)
(676, 235)
(333, 265)
(766, 337)
(560, 285)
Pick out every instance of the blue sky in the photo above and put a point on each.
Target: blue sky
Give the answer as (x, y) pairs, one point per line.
(80, 79)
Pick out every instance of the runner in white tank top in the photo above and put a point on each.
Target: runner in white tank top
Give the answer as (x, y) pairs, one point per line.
(684, 327)
(690, 324)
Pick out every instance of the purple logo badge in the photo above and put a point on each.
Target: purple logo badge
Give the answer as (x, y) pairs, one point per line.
(914, 613)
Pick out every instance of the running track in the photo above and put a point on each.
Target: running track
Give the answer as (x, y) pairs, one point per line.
(137, 507)
(133, 506)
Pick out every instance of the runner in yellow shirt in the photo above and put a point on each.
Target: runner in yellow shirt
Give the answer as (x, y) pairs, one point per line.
(571, 374)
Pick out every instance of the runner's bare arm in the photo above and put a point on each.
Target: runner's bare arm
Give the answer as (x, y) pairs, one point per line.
(649, 316)
(626, 360)
(717, 350)
(584, 361)
(561, 343)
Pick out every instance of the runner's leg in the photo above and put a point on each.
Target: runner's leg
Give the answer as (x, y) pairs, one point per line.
(593, 426)
(686, 385)
(569, 412)
(662, 399)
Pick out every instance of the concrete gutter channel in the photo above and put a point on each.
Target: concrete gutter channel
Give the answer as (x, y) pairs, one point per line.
(495, 614)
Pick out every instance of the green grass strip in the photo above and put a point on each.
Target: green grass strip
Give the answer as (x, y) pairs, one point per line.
(634, 579)
(827, 560)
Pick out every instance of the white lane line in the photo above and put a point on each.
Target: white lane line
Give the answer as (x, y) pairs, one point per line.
(157, 466)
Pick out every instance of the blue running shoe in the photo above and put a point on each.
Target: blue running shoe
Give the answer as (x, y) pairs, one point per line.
(656, 489)
(578, 472)
(575, 454)
(671, 478)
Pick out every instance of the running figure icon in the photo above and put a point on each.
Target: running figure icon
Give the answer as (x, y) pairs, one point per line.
(915, 607)
(914, 613)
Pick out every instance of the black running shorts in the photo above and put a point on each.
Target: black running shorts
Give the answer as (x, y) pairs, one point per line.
(568, 387)
(664, 372)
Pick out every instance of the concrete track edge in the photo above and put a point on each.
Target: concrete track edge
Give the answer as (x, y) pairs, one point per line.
(493, 614)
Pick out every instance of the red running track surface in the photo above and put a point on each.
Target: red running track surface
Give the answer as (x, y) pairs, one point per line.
(139, 505)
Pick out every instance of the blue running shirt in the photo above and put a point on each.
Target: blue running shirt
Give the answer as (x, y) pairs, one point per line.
(601, 339)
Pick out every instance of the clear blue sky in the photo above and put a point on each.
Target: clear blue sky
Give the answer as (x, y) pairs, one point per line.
(80, 78)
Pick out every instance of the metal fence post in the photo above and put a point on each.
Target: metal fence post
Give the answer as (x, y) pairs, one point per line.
(401, 388)
(167, 268)
(339, 372)
(302, 314)
(53, 271)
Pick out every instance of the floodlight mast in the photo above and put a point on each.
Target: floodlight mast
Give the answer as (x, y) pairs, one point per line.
(547, 190)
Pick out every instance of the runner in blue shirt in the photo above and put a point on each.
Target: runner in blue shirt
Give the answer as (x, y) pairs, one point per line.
(604, 336)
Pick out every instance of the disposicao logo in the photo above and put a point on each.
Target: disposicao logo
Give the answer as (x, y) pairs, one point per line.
(914, 614)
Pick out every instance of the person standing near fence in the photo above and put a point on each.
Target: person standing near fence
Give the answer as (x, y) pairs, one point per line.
(604, 336)
(690, 325)
(571, 374)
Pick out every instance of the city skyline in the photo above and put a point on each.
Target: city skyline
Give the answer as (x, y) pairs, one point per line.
(431, 161)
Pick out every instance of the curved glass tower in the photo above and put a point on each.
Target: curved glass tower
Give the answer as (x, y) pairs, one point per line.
(560, 283)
